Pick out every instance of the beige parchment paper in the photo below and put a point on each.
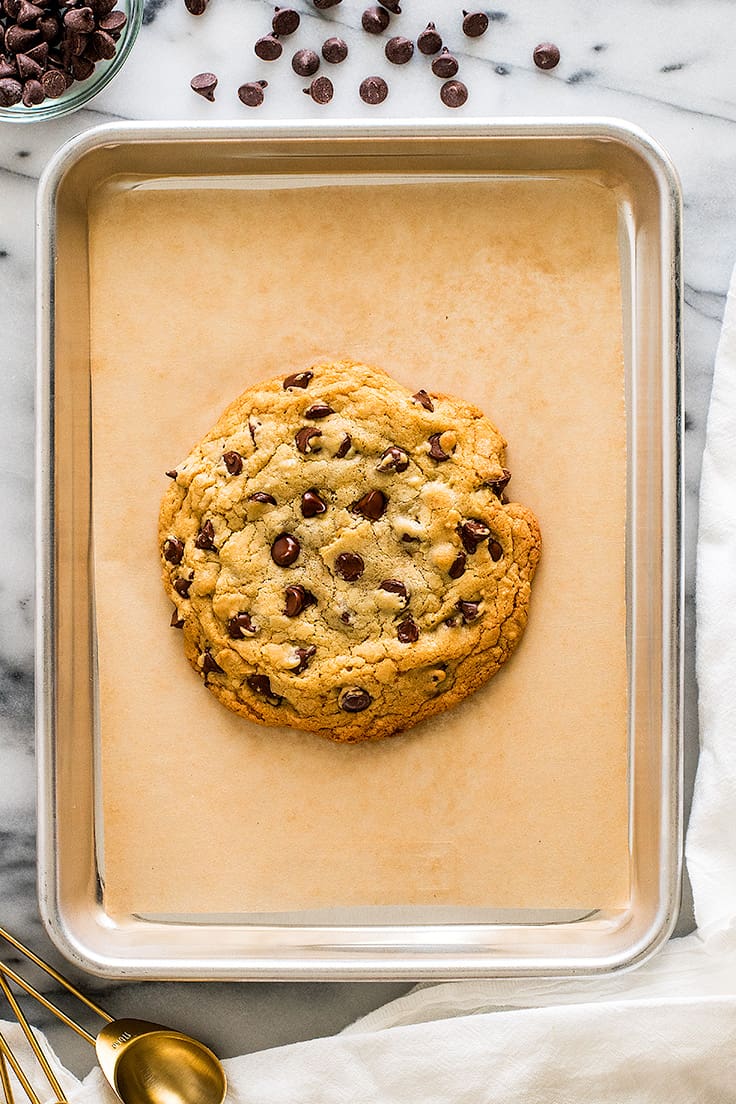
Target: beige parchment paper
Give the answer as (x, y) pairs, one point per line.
(504, 292)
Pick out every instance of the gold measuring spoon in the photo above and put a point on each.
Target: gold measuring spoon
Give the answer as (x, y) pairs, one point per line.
(144, 1062)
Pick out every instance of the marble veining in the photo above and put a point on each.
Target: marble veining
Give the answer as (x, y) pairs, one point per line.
(666, 65)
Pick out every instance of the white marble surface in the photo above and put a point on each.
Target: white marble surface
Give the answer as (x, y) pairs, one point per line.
(664, 64)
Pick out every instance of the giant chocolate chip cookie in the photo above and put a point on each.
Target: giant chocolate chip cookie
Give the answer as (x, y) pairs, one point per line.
(342, 556)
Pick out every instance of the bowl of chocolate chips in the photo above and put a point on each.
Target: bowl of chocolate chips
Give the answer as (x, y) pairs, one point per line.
(55, 55)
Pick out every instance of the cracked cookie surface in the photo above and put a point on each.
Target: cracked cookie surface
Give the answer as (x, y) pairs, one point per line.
(341, 554)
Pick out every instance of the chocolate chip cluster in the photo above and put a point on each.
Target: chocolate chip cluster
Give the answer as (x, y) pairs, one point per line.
(46, 46)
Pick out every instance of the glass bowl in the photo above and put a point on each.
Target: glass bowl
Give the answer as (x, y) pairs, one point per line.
(81, 92)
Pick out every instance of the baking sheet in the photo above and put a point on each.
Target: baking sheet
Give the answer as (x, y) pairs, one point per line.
(503, 291)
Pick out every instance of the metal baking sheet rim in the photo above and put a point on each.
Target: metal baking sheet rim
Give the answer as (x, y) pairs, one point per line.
(362, 959)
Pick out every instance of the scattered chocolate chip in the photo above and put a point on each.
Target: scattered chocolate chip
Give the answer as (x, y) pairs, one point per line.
(408, 539)
(285, 21)
(81, 20)
(375, 20)
(423, 398)
(113, 22)
(469, 610)
(475, 24)
(82, 68)
(304, 437)
(205, 540)
(350, 566)
(408, 631)
(429, 41)
(546, 55)
(318, 411)
(261, 684)
(196, 7)
(11, 92)
(454, 93)
(28, 13)
(28, 69)
(334, 50)
(344, 448)
(299, 379)
(373, 90)
(263, 498)
(252, 431)
(392, 6)
(285, 550)
(181, 586)
(322, 5)
(399, 50)
(473, 533)
(210, 666)
(394, 586)
(445, 65)
(457, 567)
(171, 473)
(345, 618)
(233, 462)
(435, 449)
(498, 486)
(8, 68)
(173, 550)
(354, 700)
(495, 550)
(240, 624)
(312, 504)
(268, 48)
(305, 63)
(321, 90)
(53, 83)
(18, 40)
(39, 53)
(372, 505)
(393, 459)
(453, 621)
(251, 93)
(48, 28)
(297, 599)
(305, 654)
(176, 621)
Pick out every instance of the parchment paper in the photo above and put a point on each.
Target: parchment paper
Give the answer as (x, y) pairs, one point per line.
(504, 292)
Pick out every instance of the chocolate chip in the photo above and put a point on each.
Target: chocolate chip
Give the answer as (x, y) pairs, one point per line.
(252, 431)
(408, 631)
(12, 7)
(354, 700)
(176, 621)
(173, 549)
(297, 599)
(392, 6)
(28, 69)
(82, 68)
(445, 65)
(375, 20)
(18, 40)
(251, 93)
(435, 449)
(33, 93)
(312, 504)
(457, 567)
(210, 666)
(39, 53)
(304, 437)
(399, 50)
(322, 5)
(473, 533)
(171, 473)
(321, 90)
(495, 550)
(113, 22)
(469, 610)
(429, 41)
(372, 505)
(299, 379)
(205, 540)
(475, 24)
(48, 28)
(233, 462)
(318, 411)
(8, 68)
(394, 586)
(305, 63)
(373, 90)
(240, 624)
(11, 91)
(181, 586)
(261, 684)
(81, 20)
(285, 550)
(498, 486)
(334, 50)
(423, 398)
(546, 55)
(196, 7)
(345, 618)
(53, 84)
(28, 13)
(263, 498)
(305, 654)
(350, 566)
(285, 21)
(344, 448)
(268, 48)
(454, 93)
(393, 459)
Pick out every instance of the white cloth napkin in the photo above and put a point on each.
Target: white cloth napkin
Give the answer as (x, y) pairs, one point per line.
(664, 1033)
